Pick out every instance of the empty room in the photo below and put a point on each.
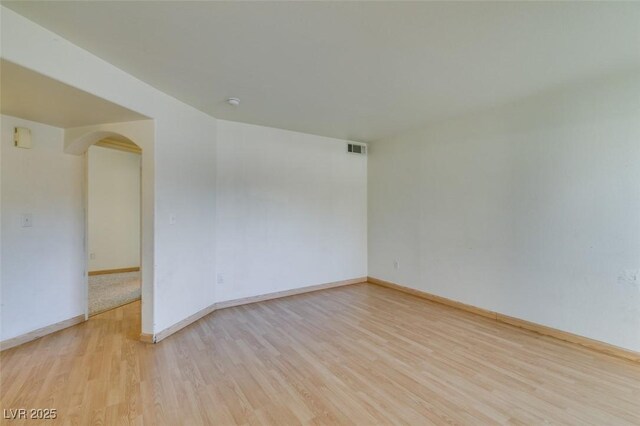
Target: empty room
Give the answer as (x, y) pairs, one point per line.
(338, 213)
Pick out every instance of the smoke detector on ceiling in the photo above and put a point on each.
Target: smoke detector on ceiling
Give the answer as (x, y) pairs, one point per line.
(233, 101)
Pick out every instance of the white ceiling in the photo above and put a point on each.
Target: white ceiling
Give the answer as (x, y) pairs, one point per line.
(356, 70)
(32, 96)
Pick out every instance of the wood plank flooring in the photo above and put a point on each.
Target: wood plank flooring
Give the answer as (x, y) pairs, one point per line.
(360, 354)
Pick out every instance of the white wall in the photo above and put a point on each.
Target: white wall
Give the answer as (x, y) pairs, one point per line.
(292, 210)
(181, 166)
(113, 209)
(322, 215)
(531, 210)
(42, 266)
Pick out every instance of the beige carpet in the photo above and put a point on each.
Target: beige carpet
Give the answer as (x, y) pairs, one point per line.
(109, 291)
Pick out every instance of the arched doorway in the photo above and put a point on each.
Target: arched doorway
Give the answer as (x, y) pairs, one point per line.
(113, 225)
(138, 134)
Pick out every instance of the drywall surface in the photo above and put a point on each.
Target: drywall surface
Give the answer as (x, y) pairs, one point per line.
(42, 268)
(113, 209)
(292, 211)
(181, 166)
(531, 210)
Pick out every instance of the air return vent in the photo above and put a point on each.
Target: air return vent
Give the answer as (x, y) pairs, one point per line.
(357, 149)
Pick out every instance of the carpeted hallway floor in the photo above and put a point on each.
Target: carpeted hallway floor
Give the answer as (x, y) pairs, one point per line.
(109, 291)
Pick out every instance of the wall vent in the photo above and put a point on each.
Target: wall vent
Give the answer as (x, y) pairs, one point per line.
(354, 148)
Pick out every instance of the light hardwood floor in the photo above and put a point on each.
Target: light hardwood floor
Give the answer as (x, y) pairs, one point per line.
(360, 354)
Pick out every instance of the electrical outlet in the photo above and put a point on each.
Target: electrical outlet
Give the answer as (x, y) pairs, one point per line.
(26, 220)
(396, 264)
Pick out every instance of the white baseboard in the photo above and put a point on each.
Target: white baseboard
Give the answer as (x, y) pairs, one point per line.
(517, 322)
(35, 334)
(244, 301)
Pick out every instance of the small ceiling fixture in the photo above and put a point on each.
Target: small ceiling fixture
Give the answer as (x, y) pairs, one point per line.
(233, 101)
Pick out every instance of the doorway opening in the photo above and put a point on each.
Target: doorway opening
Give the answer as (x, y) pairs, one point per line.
(139, 135)
(113, 223)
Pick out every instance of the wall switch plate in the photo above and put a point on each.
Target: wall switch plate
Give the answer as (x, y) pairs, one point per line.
(172, 219)
(92, 256)
(220, 279)
(396, 264)
(26, 220)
